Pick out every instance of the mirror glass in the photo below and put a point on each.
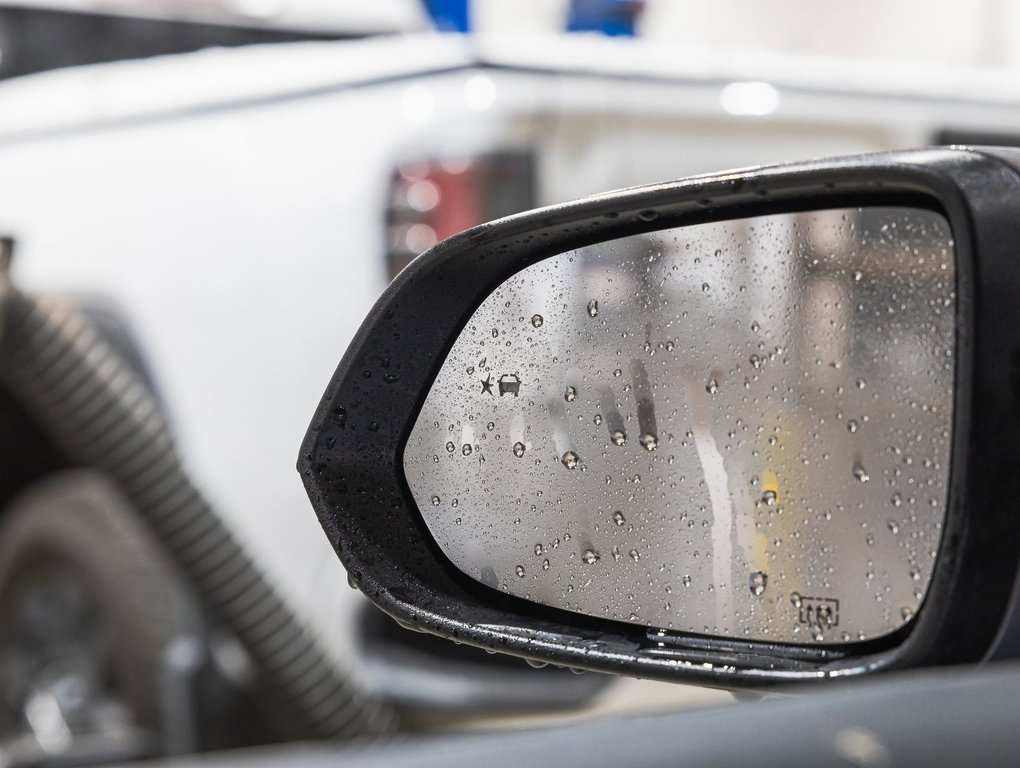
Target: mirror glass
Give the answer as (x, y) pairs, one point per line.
(738, 428)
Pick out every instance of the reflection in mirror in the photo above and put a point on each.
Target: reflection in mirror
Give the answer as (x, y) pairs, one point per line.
(738, 428)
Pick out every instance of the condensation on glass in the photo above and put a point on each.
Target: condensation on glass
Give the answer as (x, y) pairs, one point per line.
(738, 428)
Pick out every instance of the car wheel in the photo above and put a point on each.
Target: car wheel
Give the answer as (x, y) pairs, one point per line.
(92, 617)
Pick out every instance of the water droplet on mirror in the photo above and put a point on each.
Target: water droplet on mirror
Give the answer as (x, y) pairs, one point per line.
(618, 437)
(755, 327)
(860, 383)
(893, 527)
(538, 549)
(686, 581)
(545, 565)
(490, 426)
(570, 394)
(518, 450)
(590, 557)
(520, 571)
(569, 459)
(756, 361)
(796, 599)
(649, 441)
(896, 500)
(451, 447)
(858, 275)
(598, 418)
(770, 497)
(495, 332)
(712, 387)
(757, 581)
(466, 449)
(435, 501)
(861, 473)
(593, 308)
(537, 320)
(705, 287)
(851, 426)
(618, 518)
(634, 555)
(906, 613)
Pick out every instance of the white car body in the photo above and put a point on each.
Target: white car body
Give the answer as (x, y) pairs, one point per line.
(231, 202)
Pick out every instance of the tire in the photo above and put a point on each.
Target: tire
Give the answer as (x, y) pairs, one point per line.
(87, 599)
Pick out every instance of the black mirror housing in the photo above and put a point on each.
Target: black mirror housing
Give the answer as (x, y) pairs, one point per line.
(351, 459)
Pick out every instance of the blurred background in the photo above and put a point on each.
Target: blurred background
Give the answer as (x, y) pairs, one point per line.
(219, 190)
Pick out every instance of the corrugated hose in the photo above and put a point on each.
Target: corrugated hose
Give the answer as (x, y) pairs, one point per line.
(95, 408)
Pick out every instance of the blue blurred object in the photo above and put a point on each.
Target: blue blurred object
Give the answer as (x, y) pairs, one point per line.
(615, 18)
(449, 15)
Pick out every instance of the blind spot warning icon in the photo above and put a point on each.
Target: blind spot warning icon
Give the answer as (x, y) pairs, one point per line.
(509, 384)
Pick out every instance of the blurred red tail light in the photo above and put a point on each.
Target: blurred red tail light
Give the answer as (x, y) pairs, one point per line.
(431, 199)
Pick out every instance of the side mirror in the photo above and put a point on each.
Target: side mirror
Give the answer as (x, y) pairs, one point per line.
(749, 427)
